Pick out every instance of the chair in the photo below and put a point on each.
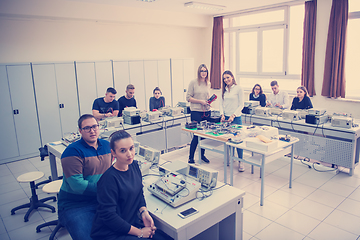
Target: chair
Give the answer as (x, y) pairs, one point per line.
(52, 187)
(34, 201)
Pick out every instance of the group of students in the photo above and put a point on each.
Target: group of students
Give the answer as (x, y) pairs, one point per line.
(101, 196)
(232, 102)
(107, 106)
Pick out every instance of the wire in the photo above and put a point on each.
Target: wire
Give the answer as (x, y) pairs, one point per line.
(330, 170)
(306, 159)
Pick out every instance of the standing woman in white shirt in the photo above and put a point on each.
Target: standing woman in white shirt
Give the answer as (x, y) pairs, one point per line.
(231, 104)
(197, 94)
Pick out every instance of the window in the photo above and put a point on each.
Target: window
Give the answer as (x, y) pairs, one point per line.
(352, 61)
(264, 45)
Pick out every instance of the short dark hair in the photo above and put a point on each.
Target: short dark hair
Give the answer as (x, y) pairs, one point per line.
(111, 90)
(84, 117)
(157, 89)
(117, 136)
(273, 83)
(130, 86)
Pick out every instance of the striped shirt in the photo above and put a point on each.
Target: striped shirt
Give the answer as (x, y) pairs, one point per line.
(82, 166)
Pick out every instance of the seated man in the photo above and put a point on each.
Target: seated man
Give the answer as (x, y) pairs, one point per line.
(83, 162)
(106, 106)
(128, 99)
(277, 98)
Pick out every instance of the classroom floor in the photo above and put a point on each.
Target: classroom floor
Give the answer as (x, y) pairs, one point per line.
(320, 205)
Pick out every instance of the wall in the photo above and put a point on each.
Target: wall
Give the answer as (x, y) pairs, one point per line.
(48, 31)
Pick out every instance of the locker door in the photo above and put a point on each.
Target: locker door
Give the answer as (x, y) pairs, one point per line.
(47, 102)
(86, 86)
(8, 143)
(121, 77)
(165, 80)
(151, 80)
(104, 77)
(68, 97)
(177, 83)
(137, 79)
(23, 100)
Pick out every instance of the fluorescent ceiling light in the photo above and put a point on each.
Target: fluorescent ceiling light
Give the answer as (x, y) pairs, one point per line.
(147, 0)
(204, 6)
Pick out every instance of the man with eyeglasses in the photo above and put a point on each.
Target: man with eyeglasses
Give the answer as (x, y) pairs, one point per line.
(83, 162)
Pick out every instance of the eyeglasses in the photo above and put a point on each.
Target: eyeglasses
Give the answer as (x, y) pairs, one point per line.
(203, 71)
(88, 128)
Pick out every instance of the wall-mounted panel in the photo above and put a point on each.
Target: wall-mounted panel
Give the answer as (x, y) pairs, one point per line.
(104, 77)
(165, 79)
(47, 102)
(136, 69)
(8, 142)
(151, 80)
(23, 100)
(68, 96)
(121, 77)
(85, 75)
(177, 83)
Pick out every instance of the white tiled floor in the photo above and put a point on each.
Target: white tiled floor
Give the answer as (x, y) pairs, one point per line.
(320, 205)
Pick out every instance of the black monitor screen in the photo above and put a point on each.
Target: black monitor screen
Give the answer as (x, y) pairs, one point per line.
(142, 152)
(193, 172)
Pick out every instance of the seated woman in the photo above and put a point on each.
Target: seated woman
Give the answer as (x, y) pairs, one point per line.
(257, 95)
(157, 101)
(120, 197)
(302, 101)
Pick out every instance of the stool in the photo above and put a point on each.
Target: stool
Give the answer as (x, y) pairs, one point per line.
(34, 201)
(52, 187)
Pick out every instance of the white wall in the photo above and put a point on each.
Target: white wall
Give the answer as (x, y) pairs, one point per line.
(47, 31)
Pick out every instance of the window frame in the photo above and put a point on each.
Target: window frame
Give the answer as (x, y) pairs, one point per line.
(260, 28)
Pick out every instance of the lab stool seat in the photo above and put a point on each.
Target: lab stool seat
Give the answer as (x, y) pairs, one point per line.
(31, 177)
(52, 187)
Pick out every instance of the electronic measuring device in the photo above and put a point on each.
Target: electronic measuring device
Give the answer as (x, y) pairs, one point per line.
(343, 122)
(185, 106)
(291, 115)
(262, 111)
(251, 103)
(114, 122)
(148, 154)
(206, 176)
(70, 138)
(176, 111)
(153, 116)
(317, 112)
(175, 189)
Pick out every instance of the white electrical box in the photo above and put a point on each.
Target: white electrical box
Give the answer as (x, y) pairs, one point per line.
(262, 111)
(206, 176)
(131, 111)
(114, 122)
(343, 122)
(290, 115)
(251, 103)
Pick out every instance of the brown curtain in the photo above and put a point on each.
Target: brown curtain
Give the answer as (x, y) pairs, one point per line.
(308, 51)
(217, 53)
(334, 79)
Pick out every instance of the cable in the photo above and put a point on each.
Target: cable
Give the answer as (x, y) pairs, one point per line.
(330, 170)
(306, 159)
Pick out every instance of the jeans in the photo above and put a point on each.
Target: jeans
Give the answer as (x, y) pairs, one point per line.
(198, 117)
(238, 121)
(78, 221)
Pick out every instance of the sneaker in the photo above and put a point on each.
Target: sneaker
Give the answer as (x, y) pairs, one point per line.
(191, 160)
(241, 167)
(205, 159)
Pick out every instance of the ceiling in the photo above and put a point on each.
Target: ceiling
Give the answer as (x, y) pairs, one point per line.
(178, 5)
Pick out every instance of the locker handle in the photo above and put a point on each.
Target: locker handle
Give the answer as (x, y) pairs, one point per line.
(61, 105)
(16, 111)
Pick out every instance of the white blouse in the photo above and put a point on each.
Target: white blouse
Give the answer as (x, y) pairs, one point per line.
(233, 101)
